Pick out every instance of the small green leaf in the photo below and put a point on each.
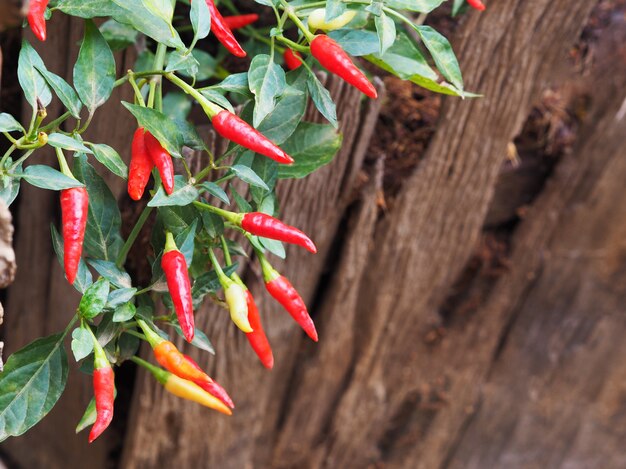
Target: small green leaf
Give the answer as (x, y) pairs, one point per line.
(442, 53)
(10, 186)
(273, 246)
(63, 90)
(267, 82)
(89, 417)
(311, 146)
(110, 159)
(119, 36)
(356, 42)
(111, 272)
(322, 100)
(120, 296)
(94, 72)
(66, 142)
(199, 340)
(183, 194)
(421, 6)
(31, 81)
(9, 124)
(236, 83)
(183, 62)
(82, 343)
(45, 177)
(386, 29)
(144, 19)
(200, 21)
(32, 382)
(159, 125)
(213, 224)
(216, 191)
(217, 98)
(124, 312)
(93, 301)
(334, 9)
(248, 175)
(176, 105)
(88, 8)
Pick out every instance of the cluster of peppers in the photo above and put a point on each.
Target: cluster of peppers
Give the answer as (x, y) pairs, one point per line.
(182, 376)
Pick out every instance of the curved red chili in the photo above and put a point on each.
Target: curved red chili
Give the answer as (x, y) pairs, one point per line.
(104, 392)
(74, 211)
(36, 18)
(283, 291)
(480, 6)
(334, 59)
(257, 338)
(239, 21)
(162, 160)
(140, 166)
(209, 385)
(175, 269)
(293, 59)
(233, 128)
(222, 31)
(261, 224)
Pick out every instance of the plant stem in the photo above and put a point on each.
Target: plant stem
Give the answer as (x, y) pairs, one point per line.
(230, 216)
(210, 108)
(227, 257)
(20, 160)
(65, 169)
(292, 15)
(159, 61)
(56, 122)
(121, 259)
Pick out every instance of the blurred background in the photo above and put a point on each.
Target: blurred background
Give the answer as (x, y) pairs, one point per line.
(470, 286)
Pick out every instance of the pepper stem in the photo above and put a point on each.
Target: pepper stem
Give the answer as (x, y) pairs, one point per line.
(170, 244)
(234, 218)
(224, 280)
(161, 375)
(65, 169)
(100, 358)
(152, 337)
(269, 273)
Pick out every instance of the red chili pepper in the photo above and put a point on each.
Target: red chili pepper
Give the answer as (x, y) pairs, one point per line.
(480, 6)
(293, 59)
(175, 269)
(231, 127)
(104, 392)
(74, 210)
(333, 58)
(162, 160)
(140, 166)
(283, 291)
(222, 31)
(239, 21)
(37, 19)
(261, 224)
(257, 338)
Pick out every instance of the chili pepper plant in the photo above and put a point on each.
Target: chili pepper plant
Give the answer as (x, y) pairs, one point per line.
(185, 51)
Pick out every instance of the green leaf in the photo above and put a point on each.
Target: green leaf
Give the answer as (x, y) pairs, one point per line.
(267, 82)
(185, 242)
(162, 8)
(89, 417)
(200, 21)
(93, 301)
(119, 297)
(199, 340)
(89, 8)
(322, 100)
(208, 283)
(248, 175)
(334, 9)
(267, 170)
(356, 42)
(31, 81)
(83, 277)
(119, 36)
(124, 312)
(9, 124)
(82, 343)
(183, 194)
(110, 159)
(143, 19)
(275, 247)
(159, 125)
(217, 98)
(45, 177)
(63, 90)
(236, 83)
(458, 6)
(102, 236)
(404, 60)
(67, 143)
(216, 191)
(311, 146)
(94, 72)
(213, 224)
(32, 381)
(107, 330)
(242, 204)
(422, 6)
(386, 29)
(442, 53)
(111, 272)
(180, 61)
(9, 185)
(176, 105)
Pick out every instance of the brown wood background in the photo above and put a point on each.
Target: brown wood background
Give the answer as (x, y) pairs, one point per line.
(531, 376)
